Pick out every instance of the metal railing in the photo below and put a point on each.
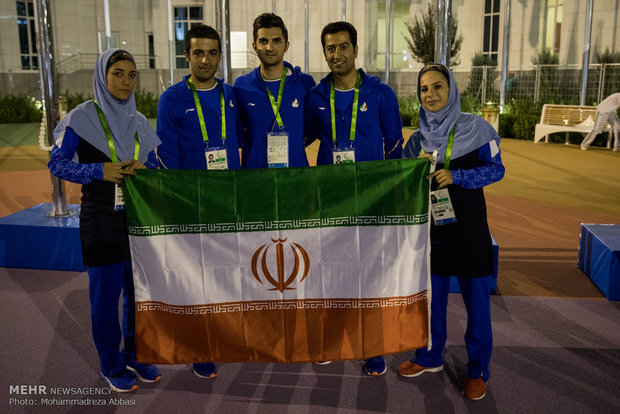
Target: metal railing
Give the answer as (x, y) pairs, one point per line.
(541, 83)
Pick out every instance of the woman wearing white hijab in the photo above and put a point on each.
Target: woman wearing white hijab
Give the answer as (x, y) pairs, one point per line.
(468, 158)
(97, 144)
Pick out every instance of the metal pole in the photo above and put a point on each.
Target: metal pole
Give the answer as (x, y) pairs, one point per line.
(537, 84)
(306, 31)
(484, 84)
(344, 10)
(106, 19)
(586, 53)
(49, 86)
(171, 42)
(506, 49)
(388, 43)
(225, 19)
(601, 83)
(273, 6)
(442, 32)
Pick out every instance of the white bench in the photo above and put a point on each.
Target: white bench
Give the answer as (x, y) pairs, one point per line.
(567, 118)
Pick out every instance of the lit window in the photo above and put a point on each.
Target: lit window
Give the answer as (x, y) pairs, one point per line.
(185, 17)
(553, 26)
(27, 35)
(151, 46)
(491, 29)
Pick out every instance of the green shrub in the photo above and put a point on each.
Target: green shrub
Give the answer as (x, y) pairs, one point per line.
(470, 105)
(146, 103)
(19, 109)
(520, 118)
(506, 125)
(22, 109)
(73, 100)
(523, 127)
(409, 107)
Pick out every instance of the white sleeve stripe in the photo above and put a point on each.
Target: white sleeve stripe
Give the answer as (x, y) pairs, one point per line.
(61, 135)
(494, 148)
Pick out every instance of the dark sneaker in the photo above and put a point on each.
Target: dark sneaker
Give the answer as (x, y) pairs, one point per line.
(375, 366)
(205, 370)
(323, 362)
(411, 369)
(145, 372)
(124, 381)
(475, 389)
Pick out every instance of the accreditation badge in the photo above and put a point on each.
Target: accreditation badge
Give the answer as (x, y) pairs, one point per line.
(277, 150)
(441, 207)
(216, 158)
(344, 155)
(119, 198)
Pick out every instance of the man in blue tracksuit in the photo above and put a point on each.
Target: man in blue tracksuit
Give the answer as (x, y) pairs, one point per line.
(197, 121)
(372, 130)
(355, 116)
(271, 101)
(180, 120)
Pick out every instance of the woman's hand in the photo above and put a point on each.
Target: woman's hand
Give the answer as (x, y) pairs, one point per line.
(114, 172)
(135, 165)
(427, 156)
(442, 177)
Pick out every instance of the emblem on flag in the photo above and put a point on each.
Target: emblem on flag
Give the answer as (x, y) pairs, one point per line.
(282, 283)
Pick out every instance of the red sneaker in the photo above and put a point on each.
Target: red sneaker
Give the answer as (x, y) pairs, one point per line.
(411, 369)
(475, 389)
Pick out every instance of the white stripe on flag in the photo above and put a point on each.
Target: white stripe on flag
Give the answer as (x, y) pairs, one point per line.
(344, 262)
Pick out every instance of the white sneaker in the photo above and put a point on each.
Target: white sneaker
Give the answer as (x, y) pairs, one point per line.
(585, 147)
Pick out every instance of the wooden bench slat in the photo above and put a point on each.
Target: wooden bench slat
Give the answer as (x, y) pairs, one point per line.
(567, 115)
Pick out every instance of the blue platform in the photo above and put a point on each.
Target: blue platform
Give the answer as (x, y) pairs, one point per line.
(454, 283)
(30, 240)
(599, 257)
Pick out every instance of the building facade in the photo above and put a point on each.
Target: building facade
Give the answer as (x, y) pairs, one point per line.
(142, 28)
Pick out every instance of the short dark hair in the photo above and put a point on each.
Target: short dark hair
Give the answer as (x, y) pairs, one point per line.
(336, 27)
(269, 20)
(202, 32)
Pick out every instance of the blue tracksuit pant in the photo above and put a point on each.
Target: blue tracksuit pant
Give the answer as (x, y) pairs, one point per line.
(478, 336)
(105, 286)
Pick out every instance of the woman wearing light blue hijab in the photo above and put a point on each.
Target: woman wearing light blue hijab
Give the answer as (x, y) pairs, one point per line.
(99, 143)
(468, 158)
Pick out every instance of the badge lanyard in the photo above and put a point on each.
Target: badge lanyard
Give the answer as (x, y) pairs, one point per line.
(201, 118)
(332, 108)
(442, 210)
(108, 135)
(276, 106)
(119, 198)
(446, 162)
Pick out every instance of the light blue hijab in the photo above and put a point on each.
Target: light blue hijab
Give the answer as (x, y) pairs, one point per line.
(122, 116)
(472, 132)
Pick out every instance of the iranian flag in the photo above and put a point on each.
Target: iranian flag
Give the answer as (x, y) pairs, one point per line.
(281, 265)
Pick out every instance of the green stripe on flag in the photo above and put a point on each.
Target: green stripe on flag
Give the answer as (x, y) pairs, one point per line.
(200, 201)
